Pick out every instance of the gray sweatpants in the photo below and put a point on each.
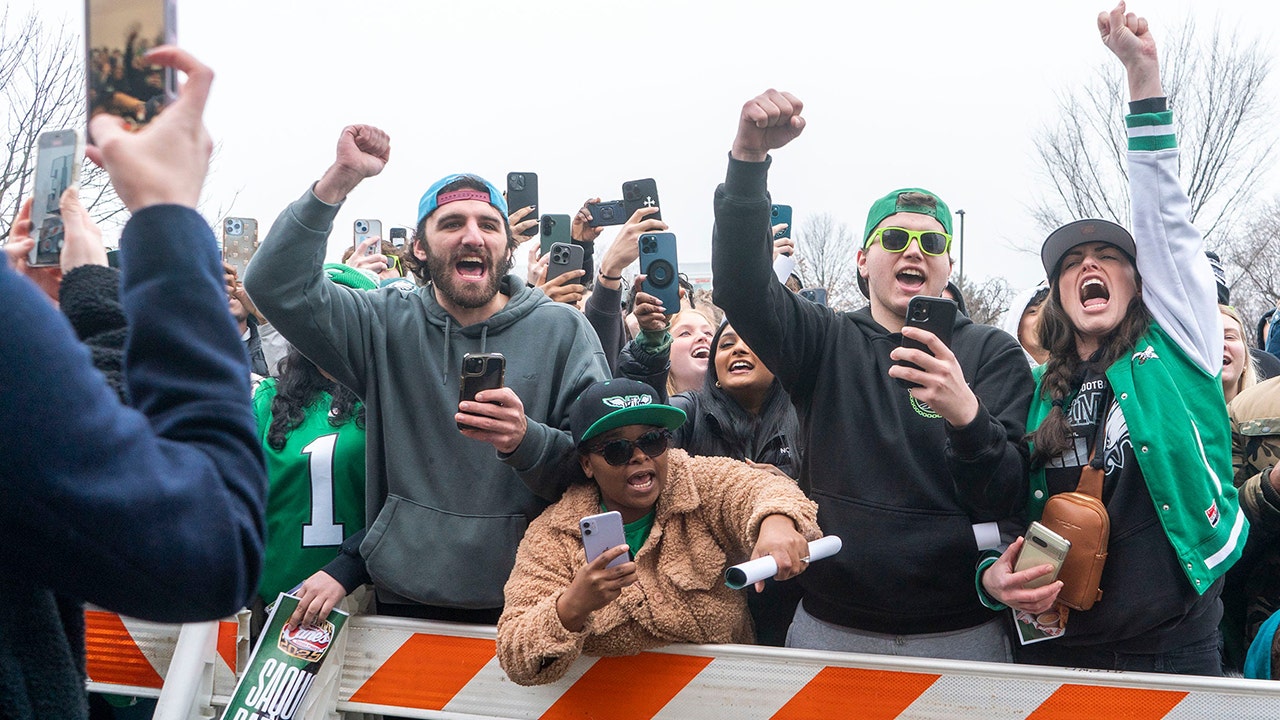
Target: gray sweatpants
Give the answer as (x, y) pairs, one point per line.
(986, 642)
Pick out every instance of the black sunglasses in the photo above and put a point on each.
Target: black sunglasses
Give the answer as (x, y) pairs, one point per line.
(619, 452)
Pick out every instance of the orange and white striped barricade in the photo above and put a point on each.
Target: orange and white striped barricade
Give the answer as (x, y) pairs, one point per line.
(422, 669)
(132, 657)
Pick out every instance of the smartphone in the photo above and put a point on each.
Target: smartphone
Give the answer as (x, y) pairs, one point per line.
(399, 237)
(601, 532)
(781, 214)
(565, 257)
(814, 295)
(658, 264)
(638, 194)
(239, 242)
(365, 229)
(1042, 546)
(480, 371)
(935, 314)
(607, 214)
(522, 191)
(555, 229)
(59, 155)
(118, 81)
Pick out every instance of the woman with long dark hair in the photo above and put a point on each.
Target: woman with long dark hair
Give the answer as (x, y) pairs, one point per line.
(742, 412)
(1132, 388)
(313, 436)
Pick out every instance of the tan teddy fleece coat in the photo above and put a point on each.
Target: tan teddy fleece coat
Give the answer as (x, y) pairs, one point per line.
(707, 518)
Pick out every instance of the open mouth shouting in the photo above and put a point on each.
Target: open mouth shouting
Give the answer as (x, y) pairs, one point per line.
(471, 268)
(701, 350)
(911, 280)
(642, 481)
(741, 367)
(1094, 294)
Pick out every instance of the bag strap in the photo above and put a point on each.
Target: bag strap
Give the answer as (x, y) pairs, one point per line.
(1093, 472)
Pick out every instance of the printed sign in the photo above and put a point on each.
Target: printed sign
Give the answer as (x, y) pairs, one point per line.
(283, 665)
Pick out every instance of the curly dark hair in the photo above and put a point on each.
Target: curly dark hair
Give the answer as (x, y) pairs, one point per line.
(298, 389)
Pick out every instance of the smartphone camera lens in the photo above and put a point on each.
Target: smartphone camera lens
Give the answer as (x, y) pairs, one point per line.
(362, 226)
(516, 182)
(548, 223)
(606, 213)
(586, 529)
(474, 365)
(648, 244)
(920, 314)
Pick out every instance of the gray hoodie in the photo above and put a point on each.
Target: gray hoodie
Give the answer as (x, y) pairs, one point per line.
(445, 513)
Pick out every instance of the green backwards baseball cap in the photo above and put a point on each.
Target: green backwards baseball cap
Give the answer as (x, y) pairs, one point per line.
(894, 203)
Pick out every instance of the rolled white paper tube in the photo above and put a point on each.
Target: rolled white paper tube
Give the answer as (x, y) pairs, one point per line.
(753, 571)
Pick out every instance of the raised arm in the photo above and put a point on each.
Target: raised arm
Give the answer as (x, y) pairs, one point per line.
(1177, 282)
(155, 512)
(328, 323)
(785, 331)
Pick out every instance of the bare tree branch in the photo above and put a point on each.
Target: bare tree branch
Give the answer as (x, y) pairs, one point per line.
(42, 81)
(826, 254)
(1217, 84)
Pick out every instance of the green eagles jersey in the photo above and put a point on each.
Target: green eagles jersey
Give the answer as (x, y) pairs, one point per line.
(315, 493)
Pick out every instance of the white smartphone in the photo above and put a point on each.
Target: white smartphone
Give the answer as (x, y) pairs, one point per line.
(601, 532)
(364, 229)
(1042, 546)
(58, 159)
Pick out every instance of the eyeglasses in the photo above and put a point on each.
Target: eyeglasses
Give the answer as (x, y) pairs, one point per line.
(395, 264)
(619, 452)
(896, 240)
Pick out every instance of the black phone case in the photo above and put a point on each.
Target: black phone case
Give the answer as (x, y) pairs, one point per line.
(489, 377)
(522, 191)
(637, 194)
(565, 257)
(658, 264)
(935, 314)
(607, 213)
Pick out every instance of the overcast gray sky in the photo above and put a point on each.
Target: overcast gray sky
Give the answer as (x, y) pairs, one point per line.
(940, 94)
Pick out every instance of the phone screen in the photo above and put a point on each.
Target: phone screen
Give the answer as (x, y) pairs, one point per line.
(120, 82)
(57, 168)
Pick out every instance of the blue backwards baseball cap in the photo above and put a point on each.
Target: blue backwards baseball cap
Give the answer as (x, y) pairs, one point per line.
(432, 198)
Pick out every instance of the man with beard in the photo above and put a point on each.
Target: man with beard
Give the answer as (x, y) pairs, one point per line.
(444, 512)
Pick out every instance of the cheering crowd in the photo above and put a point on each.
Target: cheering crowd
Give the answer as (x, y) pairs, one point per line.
(184, 442)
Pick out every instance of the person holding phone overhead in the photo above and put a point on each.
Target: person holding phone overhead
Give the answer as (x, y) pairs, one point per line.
(1132, 385)
(444, 512)
(686, 520)
(153, 511)
(914, 478)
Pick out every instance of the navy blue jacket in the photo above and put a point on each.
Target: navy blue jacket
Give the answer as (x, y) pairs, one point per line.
(155, 510)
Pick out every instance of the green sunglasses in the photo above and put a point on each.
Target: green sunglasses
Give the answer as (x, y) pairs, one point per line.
(896, 240)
